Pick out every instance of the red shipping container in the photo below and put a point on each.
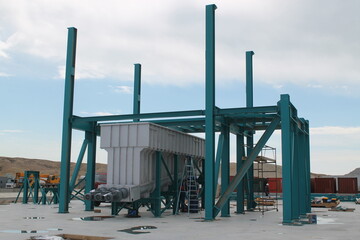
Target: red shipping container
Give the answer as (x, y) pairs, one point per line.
(275, 185)
(324, 185)
(347, 185)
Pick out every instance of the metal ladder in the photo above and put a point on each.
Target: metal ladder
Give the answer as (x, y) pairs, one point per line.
(189, 188)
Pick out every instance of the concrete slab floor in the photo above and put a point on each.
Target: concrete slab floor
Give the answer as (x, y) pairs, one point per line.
(27, 218)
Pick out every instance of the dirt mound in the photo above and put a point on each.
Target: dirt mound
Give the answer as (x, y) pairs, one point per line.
(10, 166)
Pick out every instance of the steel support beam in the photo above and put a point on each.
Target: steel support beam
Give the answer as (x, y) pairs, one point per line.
(219, 155)
(287, 160)
(250, 137)
(64, 194)
(78, 165)
(249, 80)
(302, 173)
(246, 165)
(296, 172)
(210, 111)
(225, 169)
(137, 90)
(175, 114)
(240, 153)
(176, 183)
(248, 110)
(25, 188)
(307, 164)
(156, 206)
(91, 166)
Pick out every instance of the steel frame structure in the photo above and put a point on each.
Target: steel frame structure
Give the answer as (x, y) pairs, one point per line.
(243, 122)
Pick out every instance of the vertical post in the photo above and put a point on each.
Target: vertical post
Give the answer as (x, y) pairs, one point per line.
(219, 156)
(203, 184)
(302, 177)
(307, 161)
(240, 152)
(36, 186)
(137, 90)
(209, 112)
(176, 183)
(287, 167)
(25, 187)
(249, 79)
(250, 134)
(67, 125)
(225, 169)
(296, 173)
(157, 191)
(91, 166)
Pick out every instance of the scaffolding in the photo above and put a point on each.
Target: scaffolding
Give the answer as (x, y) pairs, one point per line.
(265, 168)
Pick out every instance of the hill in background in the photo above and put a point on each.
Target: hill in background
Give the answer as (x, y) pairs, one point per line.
(355, 172)
(10, 166)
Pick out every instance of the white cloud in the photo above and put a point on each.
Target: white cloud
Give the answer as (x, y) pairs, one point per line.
(301, 42)
(335, 130)
(122, 89)
(10, 131)
(81, 73)
(315, 86)
(98, 113)
(6, 45)
(2, 50)
(4, 74)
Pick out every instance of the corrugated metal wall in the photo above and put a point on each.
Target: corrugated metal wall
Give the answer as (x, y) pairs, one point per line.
(324, 185)
(347, 185)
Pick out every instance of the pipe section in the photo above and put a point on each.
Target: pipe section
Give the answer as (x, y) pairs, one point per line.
(104, 194)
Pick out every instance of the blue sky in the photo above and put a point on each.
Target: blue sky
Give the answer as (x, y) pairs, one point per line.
(308, 49)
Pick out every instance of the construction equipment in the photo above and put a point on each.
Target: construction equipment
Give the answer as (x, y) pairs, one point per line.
(45, 179)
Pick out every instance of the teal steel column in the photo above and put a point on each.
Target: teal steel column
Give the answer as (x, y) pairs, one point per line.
(307, 170)
(250, 134)
(137, 90)
(36, 186)
(209, 112)
(25, 188)
(157, 191)
(218, 157)
(64, 194)
(302, 177)
(240, 152)
(287, 168)
(78, 165)
(225, 169)
(249, 79)
(91, 166)
(296, 173)
(176, 182)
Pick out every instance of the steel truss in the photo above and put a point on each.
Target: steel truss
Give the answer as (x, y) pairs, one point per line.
(242, 122)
